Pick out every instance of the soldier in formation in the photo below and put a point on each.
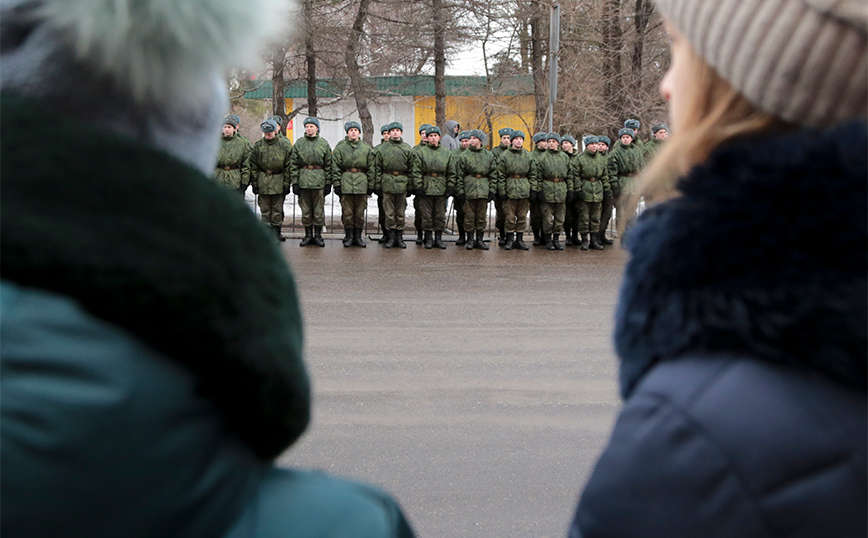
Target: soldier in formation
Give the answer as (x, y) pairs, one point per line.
(551, 190)
(499, 216)
(432, 185)
(233, 160)
(392, 181)
(571, 215)
(311, 176)
(518, 170)
(458, 199)
(270, 175)
(381, 213)
(590, 183)
(353, 181)
(624, 163)
(476, 178)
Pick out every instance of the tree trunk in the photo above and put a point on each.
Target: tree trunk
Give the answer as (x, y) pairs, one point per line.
(644, 9)
(351, 56)
(439, 64)
(278, 83)
(612, 70)
(536, 62)
(310, 57)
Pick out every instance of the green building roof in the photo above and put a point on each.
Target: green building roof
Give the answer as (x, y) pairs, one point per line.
(403, 85)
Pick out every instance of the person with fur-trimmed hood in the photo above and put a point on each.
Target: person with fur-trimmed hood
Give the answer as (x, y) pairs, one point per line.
(310, 168)
(270, 175)
(233, 160)
(152, 339)
(353, 180)
(742, 354)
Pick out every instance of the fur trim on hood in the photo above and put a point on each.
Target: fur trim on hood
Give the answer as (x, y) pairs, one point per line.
(764, 255)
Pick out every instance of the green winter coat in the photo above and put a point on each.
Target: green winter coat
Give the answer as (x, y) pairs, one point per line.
(430, 170)
(651, 148)
(233, 162)
(590, 176)
(349, 155)
(518, 169)
(473, 163)
(269, 167)
(552, 164)
(499, 150)
(624, 163)
(311, 163)
(393, 167)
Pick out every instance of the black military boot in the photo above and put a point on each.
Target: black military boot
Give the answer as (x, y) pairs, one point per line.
(390, 239)
(595, 244)
(277, 234)
(538, 238)
(519, 241)
(510, 241)
(308, 236)
(480, 243)
(461, 237)
(501, 236)
(576, 240)
(317, 236)
(568, 241)
(428, 240)
(348, 237)
(556, 242)
(383, 238)
(470, 243)
(438, 239)
(605, 240)
(585, 241)
(419, 238)
(358, 238)
(546, 239)
(399, 239)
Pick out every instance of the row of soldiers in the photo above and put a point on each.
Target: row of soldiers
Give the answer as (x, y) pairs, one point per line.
(561, 188)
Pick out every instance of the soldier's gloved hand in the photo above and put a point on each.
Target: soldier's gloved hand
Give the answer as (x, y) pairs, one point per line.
(327, 189)
(580, 195)
(534, 195)
(296, 190)
(571, 196)
(287, 189)
(255, 188)
(378, 192)
(607, 194)
(491, 196)
(242, 189)
(420, 192)
(450, 191)
(370, 191)
(502, 196)
(338, 191)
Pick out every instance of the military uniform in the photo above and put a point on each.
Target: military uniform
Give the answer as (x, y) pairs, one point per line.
(624, 163)
(310, 171)
(571, 215)
(476, 177)
(233, 163)
(535, 202)
(353, 180)
(458, 199)
(517, 171)
(551, 189)
(381, 213)
(499, 212)
(392, 170)
(590, 182)
(270, 177)
(608, 203)
(432, 185)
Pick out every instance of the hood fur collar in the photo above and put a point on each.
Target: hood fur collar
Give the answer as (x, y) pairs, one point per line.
(764, 255)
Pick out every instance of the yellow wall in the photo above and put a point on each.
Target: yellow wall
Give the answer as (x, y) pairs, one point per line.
(291, 122)
(516, 112)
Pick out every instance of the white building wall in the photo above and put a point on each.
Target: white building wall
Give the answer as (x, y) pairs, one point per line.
(333, 117)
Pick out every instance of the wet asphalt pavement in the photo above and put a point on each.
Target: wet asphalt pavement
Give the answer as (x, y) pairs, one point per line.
(476, 387)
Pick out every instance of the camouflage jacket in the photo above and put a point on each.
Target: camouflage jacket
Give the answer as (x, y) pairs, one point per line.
(624, 163)
(233, 162)
(311, 163)
(553, 174)
(590, 176)
(392, 167)
(430, 170)
(651, 148)
(475, 174)
(518, 170)
(353, 167)
(269, 166)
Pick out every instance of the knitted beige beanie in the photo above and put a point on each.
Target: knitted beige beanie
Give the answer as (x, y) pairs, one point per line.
(802, 60)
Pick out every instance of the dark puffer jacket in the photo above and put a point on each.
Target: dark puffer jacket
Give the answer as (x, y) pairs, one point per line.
(741, 330)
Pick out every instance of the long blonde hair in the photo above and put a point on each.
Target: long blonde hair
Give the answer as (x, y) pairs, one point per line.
(714, 113)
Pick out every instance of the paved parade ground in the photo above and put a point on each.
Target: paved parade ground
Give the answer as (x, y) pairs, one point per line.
(476, 387)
